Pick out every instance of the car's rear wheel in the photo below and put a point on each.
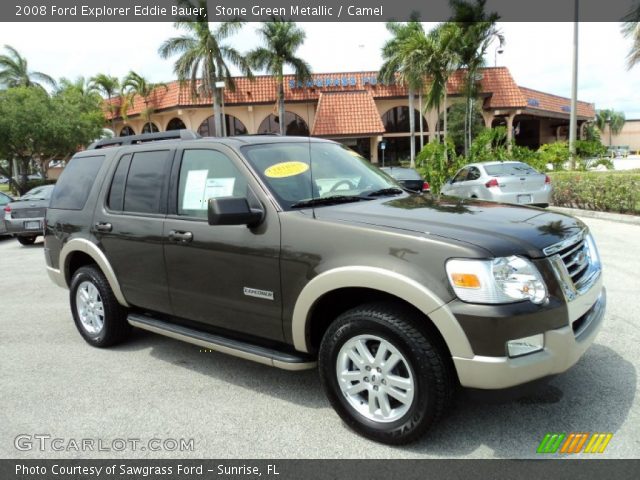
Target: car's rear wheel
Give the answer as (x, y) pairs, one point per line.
(27, 240)
(100, 319)
(383, 375)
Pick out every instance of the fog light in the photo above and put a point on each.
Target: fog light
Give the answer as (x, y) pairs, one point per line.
(526, 345)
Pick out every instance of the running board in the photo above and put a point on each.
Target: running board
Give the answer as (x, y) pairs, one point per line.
(237, 348)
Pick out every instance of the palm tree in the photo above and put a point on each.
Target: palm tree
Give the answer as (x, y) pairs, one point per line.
(615, 121)
(14, 72)
(475, 32)
(108, 86)
(397, 54)
(135, 84)
(631, 29)
(282, 39)
(203, 56)
(440, 65)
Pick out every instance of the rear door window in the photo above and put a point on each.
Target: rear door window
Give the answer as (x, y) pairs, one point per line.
(146, 184)
(73, 187)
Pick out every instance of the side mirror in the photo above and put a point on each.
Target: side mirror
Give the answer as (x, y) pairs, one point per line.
(233, 211)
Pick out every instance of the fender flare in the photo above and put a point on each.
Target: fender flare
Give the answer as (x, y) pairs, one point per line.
(383, 280)
(91, 249)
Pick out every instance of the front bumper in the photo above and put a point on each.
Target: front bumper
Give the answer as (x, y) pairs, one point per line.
(563, 347)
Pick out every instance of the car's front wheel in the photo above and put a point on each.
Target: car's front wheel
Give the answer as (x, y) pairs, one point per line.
(384, 376)
(98, 316)
(27, 240)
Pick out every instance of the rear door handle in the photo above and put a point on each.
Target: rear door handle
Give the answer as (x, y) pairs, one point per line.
(182, 237)
(104, 227)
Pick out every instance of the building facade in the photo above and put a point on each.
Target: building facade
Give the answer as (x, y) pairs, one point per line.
(357, 110)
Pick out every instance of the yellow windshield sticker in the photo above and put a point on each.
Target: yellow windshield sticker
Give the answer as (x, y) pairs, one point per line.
(286, 169)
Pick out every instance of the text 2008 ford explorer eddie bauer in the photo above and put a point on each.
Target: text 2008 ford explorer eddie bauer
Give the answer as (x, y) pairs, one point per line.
(294, 252)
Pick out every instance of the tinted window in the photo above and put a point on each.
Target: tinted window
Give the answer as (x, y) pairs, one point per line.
(461, 176)
(206, 174)
(116, 192)
(74, 185)
(474, 174)
(146, 182)
(508, 169)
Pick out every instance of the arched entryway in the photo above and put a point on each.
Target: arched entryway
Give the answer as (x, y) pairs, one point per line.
(150, 127)
(126, 131)
(295, 125)
(234, 126)
(397, 135)
(175, 124)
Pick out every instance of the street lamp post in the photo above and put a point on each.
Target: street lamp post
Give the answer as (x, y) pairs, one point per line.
(573, 119)
(220, 85)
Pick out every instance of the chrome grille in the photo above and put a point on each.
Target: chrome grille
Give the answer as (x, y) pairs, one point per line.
(576, 260)
(576, 263)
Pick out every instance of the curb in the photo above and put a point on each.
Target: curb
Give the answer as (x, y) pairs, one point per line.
(612, 217)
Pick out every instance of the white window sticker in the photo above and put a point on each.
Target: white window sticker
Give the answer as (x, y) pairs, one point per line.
(194, 190)
(219, 187)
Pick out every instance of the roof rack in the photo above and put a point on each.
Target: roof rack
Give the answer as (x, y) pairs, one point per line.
(144, 138)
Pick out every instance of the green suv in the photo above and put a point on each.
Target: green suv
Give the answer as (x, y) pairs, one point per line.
(297, 252)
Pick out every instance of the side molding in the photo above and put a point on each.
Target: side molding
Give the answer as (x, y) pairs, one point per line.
(385, 281)
(85, 246)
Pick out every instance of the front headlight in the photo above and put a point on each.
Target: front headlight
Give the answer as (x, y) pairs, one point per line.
(501, 280)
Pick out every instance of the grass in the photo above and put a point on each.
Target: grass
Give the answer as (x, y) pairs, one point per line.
(4, 187)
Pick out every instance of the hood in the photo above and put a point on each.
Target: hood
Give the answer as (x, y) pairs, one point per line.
(500, 228)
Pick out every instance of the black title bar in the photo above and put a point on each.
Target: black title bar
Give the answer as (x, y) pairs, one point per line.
(306, 10)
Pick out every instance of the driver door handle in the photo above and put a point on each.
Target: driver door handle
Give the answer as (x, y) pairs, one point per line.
(180, 237)
(103, 227)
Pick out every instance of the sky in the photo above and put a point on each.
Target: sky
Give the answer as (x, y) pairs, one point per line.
(537, 54)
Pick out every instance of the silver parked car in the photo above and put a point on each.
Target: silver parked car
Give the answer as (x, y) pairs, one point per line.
(4, 200)
(24, 217)
(507, 182)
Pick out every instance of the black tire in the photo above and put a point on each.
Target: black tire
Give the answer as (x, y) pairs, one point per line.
(26, 240)
(432, 371)
(115, 327)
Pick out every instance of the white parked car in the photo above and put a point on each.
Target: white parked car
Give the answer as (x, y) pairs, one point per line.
(507, 182)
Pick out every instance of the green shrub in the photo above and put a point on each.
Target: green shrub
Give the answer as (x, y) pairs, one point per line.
(604, 191)
(431, 164)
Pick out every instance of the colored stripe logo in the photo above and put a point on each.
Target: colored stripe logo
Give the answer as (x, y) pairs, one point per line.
(574, 443)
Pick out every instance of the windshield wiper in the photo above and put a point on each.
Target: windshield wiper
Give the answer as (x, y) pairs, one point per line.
(385, 191)
(328, 200)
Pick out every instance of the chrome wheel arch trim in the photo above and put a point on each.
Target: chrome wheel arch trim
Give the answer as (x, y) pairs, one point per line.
(387, 281)
(91, 249)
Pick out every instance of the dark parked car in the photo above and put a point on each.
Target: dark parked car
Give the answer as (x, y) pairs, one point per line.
(397, 297)
(408, 178)
(4, 200)
(24, 217)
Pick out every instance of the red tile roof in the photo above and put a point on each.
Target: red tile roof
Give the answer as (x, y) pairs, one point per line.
(496, 84)
(347, 113)
(547, 102)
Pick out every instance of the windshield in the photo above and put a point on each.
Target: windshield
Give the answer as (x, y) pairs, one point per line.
(38, 193)
(336, 171)
(508, 169)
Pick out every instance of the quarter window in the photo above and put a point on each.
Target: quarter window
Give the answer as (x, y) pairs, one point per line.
(73, 187)
(206, 174)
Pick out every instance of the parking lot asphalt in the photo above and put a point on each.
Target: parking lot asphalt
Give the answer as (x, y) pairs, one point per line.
(53, 383)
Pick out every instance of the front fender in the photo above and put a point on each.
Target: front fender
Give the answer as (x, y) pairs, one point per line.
(383, 280)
